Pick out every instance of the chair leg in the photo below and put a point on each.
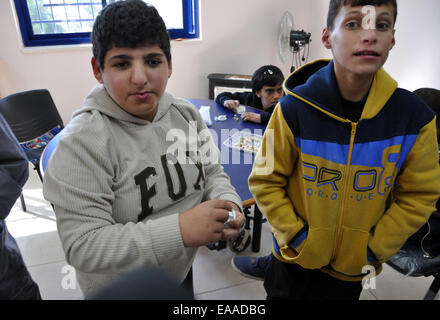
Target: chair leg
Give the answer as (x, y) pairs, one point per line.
(23, 205)
(433, 289)
(256, 232)
(36, 168)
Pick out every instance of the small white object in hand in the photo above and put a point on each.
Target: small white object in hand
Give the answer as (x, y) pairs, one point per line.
(232, 216)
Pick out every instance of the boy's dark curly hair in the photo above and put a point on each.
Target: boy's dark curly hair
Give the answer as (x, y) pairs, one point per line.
(266, 76)
(130, 23)
(336, 5)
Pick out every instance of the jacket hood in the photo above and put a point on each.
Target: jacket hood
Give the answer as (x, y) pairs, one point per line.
(315, 84)
(99, 99)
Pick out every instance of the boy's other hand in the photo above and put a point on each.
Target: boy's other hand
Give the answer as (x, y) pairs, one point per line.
(251, 116)
(205, 223)
(231, 104)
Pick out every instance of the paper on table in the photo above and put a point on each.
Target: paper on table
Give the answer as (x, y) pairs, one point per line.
(205, 111)
(244, 141)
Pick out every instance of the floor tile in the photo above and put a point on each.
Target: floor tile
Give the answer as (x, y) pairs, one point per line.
(31, 226)
(54, 282)
(213, 270)
(392, 285)
(17, 214)
(248, 291)
(367, 295)
(41, 248)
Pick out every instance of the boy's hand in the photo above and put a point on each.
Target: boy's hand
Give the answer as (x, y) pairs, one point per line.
(205, 223)
(231, 104)
(234, 226)
(251, 116)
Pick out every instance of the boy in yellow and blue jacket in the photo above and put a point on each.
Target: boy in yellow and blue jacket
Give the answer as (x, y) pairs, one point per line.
(354, 172)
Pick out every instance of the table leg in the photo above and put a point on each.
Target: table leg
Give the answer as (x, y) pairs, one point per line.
(256, 233)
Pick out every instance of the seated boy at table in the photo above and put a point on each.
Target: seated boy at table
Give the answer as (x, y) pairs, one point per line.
(267, 89)
(123, 200)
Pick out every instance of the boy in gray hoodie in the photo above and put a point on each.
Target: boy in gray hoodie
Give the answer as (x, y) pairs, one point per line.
(136, 179)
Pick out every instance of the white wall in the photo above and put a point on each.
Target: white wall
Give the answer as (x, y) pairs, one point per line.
(238, 37)
(415, 60)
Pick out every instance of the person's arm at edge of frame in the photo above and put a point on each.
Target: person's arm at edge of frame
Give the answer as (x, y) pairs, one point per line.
(14, 169)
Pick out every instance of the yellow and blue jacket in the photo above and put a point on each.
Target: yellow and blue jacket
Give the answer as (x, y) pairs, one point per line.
(341, 195)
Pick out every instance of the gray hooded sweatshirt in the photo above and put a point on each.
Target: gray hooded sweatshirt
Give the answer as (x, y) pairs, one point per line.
(118, 184)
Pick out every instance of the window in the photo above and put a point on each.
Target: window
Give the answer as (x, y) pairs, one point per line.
(60, 22)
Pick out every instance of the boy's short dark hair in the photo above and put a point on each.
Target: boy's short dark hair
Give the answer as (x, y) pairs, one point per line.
(130, 24)
(266, 76)
(431, 97)
(336, 5)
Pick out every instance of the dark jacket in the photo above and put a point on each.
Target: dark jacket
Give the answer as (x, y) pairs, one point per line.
(248, 99)
(15, 280)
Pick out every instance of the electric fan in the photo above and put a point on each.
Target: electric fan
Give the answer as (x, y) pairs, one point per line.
(291, 41)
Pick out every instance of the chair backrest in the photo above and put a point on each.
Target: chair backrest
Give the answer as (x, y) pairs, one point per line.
(30, 114)
(47, 154)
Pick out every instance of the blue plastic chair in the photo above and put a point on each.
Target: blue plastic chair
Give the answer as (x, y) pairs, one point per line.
(47, 153)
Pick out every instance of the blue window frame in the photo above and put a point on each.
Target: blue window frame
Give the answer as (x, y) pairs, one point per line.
(63, 22)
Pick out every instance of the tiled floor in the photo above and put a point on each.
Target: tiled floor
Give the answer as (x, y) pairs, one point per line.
(214, 277)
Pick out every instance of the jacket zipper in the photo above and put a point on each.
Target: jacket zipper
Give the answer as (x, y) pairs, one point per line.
(346, 185)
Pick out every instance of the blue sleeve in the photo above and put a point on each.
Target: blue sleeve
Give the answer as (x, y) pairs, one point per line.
(371, 256)
(243, 97)
(299, 238)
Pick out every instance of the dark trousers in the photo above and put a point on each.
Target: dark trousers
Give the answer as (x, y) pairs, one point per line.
(15, 281)
(188, 284)
(286, 281)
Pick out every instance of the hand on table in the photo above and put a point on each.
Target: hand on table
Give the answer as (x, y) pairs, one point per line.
(231, 105)
(251, 116)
